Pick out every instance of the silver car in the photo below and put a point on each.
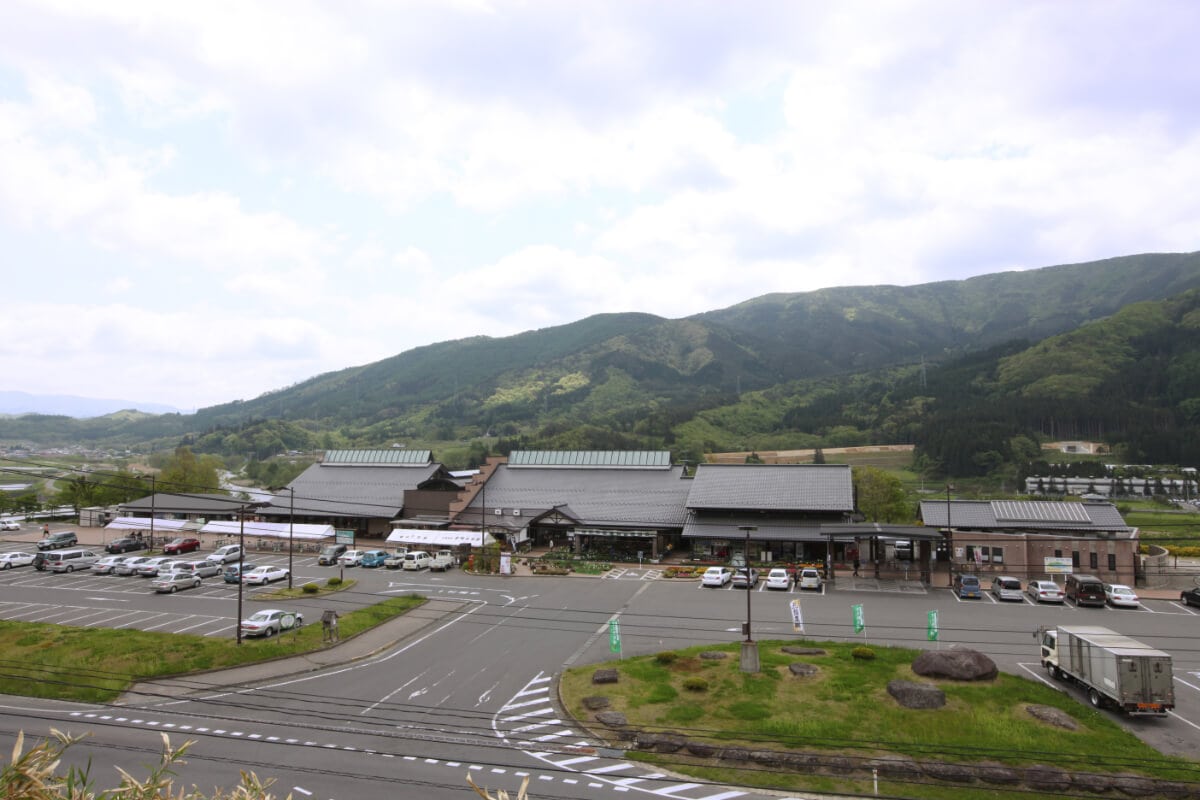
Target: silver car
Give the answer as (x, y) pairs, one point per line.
(174, 581)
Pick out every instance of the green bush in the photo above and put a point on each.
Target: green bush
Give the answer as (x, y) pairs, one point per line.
(310, 588)
(334, 581)
(695, 684)
(863, 653)
(666, 657)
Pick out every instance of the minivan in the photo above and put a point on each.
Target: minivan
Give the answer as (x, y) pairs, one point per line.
(967, 585)
(329, 554)
(1085, 590)
(417, 559)
(70, 560)
(1005, 587)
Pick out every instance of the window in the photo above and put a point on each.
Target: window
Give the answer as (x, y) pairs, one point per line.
(1112, 562)
(1075, 558)
(997, 555)
(1058, 553)
(1093, 560)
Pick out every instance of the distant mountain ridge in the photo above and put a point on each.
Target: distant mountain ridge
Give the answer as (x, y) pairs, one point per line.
(639, 380)
(73, 405)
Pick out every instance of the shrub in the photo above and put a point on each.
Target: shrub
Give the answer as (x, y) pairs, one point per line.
(310, 588)
(694, 684)
(334, 581)
(666, 657)
(863, 653)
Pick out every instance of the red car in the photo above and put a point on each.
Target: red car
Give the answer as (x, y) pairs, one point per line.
(181, 545)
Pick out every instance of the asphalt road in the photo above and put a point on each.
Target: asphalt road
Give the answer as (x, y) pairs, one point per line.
(473, 692)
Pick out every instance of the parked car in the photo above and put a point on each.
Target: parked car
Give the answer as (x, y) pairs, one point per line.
(330, 554)
(261, 576)
(9, 525)
(233, 572)
(1005, 587)
(716, 576)
(373, 558)
(1085, 590)
(1118, 594)
(125, 544)
(1045, 592)
(442, 561)
(60, 539)
(223, 555)
(129, 565)
(1190, 597)
(967, 585)
(745, 578)
(181, 545)
(174, 581)
(809, 578)
(351, 558)
(106, 565)
(779, 578)
(151, 566)
(396, 559)
(203, 568)
(271, 621)
(70, 560)
(10, 560)
(417, 559)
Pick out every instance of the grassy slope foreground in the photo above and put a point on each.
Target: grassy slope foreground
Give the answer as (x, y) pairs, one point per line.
(97, 664)
(845, 709)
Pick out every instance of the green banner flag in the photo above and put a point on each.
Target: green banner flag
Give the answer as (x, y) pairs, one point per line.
(932, 628)
(860, 623)
(614, 635)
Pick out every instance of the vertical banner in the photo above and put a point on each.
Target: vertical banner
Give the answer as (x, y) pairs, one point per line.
(614, 635)
(506, 564)
(860, 622)
(797, 617)
(931, 631)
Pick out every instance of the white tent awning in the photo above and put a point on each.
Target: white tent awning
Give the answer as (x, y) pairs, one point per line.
(143, 524)
(270, 530)
(440, 539)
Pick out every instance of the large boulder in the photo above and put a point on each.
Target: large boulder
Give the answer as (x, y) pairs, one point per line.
(606, 675)
(1052, 716)
(916, 695)
(958, 665)
(613, 719)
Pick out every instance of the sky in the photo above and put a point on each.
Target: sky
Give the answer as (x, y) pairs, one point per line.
(203, 202)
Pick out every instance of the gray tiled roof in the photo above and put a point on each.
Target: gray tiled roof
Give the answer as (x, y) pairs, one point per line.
(1026, 515)
(708, 526)
(773, 487)
(597, 497)
(375, 457)
(183, 503)
(364, 491)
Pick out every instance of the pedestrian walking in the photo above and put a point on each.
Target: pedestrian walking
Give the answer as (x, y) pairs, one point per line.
(856, 565)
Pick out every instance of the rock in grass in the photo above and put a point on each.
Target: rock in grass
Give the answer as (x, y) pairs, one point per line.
(605, 676)
(916, 695)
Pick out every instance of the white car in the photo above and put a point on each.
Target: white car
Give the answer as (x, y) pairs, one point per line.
(351, 558)
(107, 565)
(8, 560)
(779, 579)
(716, 576)
(263, 575)
(809, 578)
(271, 621)
(1118, 594)
(1045, 592)
(9, 525)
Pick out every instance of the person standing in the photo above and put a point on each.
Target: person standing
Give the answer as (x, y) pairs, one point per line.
(856, 565)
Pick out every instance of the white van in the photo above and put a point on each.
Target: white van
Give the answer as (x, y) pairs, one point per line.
(70, 560)
(223, 555)
(417, 559)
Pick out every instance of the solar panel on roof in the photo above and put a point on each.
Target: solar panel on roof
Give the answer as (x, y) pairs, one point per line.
(589, 458)
(1031, 511)
(393, 456)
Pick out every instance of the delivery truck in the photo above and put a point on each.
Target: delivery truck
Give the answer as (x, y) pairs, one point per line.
(1113, 669)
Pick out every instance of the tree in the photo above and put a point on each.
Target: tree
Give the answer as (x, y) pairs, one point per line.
(185, 472)
(818, 456)
(880, 495)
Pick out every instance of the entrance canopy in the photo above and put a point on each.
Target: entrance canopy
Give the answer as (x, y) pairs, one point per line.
(270, 530)
(440, 539)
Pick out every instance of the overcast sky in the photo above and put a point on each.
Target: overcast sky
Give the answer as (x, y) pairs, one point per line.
(201, 202)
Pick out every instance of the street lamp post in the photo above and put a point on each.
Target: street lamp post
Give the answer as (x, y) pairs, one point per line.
(949, 537)
(241, 567)
(750, 662)
(291, 530)
(153, 490)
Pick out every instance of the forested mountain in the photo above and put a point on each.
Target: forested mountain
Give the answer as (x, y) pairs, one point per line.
(833, 366)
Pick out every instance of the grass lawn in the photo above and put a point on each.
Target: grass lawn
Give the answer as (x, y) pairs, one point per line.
(845, 709)
(97, 664)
